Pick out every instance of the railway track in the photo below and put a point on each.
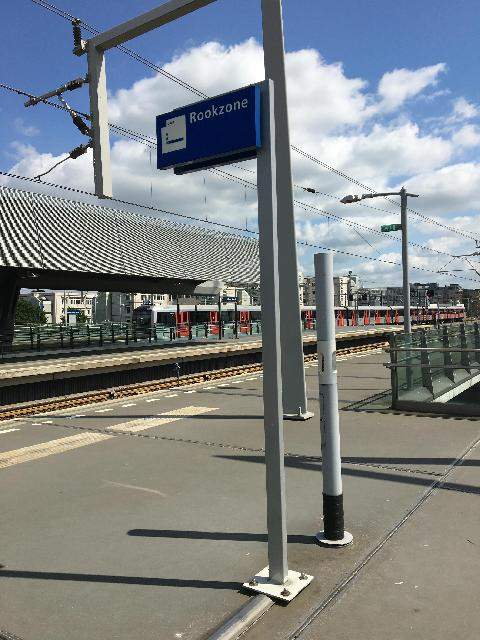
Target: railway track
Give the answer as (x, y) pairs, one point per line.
(45, 406)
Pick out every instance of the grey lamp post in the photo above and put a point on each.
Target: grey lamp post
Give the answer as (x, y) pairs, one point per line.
(404, 228)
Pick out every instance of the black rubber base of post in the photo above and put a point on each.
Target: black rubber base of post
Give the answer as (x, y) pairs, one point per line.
(333, 523)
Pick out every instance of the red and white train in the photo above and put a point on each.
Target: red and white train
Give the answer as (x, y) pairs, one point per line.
(189, 315)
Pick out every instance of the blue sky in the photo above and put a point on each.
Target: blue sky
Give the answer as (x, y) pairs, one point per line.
(371, 39)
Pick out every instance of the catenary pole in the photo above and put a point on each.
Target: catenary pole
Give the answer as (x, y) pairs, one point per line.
(275, 275)
(294, 389)
(407, 322)
(333, 521)
(272, 373)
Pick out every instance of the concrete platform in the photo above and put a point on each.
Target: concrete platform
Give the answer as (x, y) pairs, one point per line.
(424, 584)
(24, 372)
(150, 531)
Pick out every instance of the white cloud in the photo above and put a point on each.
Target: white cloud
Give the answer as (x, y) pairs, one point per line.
(449, 190)
(397, 86)
(333, 116)
(465, 110)
(467, 136)
(387, 151)
(24, 129)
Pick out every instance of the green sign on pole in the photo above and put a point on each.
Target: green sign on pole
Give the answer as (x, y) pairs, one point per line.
(390, 227)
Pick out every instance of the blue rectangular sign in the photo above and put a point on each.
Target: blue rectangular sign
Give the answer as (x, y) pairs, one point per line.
(210, 132)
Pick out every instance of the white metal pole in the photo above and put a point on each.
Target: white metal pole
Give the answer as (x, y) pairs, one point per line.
(272, 373)
(333, 533)
(294, 389)
(97, 86)
(407, 318)
(407, 323)
(275, 580)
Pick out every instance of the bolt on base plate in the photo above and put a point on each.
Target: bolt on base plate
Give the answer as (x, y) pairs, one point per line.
(325, 542)
(298, 416)
(294, 583)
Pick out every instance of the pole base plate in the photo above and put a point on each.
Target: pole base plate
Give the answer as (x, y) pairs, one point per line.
(325, 542)
(295, 582)
(298, 416)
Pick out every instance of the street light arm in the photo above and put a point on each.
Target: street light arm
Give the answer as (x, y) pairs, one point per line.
(350, 199)
(379, 195)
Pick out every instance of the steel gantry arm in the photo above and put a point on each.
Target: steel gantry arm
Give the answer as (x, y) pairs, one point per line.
(95, 48)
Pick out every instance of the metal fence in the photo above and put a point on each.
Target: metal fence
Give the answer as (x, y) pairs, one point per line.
(38, 338)
(434, 365)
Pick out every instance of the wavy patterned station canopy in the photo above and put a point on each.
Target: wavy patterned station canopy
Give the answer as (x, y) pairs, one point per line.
(39, 231)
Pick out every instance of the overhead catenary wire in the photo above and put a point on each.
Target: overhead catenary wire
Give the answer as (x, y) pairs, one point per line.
(223, 225)
(133, 54)
(129, 133)
(151, 144)
(139, 58)
(371, 190)
(323, 212)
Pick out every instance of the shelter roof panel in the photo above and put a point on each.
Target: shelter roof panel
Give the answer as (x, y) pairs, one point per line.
(46, 232)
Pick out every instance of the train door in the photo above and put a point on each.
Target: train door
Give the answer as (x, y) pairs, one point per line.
(182, 320)
(214, 317)
(308, 322)
(244, 318)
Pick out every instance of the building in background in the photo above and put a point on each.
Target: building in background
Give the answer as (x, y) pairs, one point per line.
(253, 291)
(114, 306)
(301, 285)
(425, 293)
(65, 307)
(37, 296)
(345, 290)
(471, 300)
(228, 294)
(371, 297)
(309, 293)
(450, 294)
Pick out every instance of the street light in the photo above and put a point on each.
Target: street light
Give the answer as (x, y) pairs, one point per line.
(404, 228)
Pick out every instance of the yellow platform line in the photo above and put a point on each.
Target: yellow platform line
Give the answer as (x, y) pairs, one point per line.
(140, 424)
(61, 445)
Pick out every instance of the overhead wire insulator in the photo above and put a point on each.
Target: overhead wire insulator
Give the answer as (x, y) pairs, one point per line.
(76, 118)
(80, 150)
(71, 85)
(79, 45)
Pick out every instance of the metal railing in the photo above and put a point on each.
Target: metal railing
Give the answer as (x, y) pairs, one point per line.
(429, 365)
(42, 338)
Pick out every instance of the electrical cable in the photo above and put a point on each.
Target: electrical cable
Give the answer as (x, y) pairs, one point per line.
(64, 14)
(223, 225)
(371, 190)
(73, 154)
(329, 214)
(139, 137)
(40, 175)
(133, 54)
